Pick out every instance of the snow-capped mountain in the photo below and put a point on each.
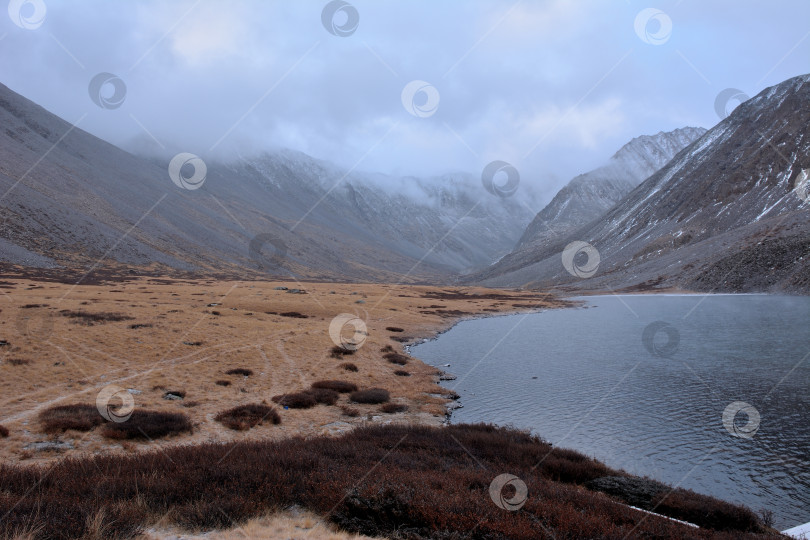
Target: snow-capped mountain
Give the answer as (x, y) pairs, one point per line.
(589, 195)
(74, 201)
(728, 213)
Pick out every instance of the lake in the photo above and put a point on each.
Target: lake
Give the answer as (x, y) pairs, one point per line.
(710, 393)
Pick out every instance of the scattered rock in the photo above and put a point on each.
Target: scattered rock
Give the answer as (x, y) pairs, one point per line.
(4, 343)
(133, 391)
(360, 302)
(279, 288)
(174, 395)
(212, 304)
(296, 291)
(49, 446)
(444, 376)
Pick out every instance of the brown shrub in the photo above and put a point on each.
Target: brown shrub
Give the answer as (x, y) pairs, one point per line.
(396, 358)
(240, 371)
(402, 373)
(324, 395)
(387, 348)
(425, 484)
(348, 366)
(222, 383)
(343, 387)
(401, 339)
(3, 431)
(244, 417)
(340, 352)
(89, 319)
(148, 425)
(296, 400)
(394, 329)
(370, 395)
(294, 315)
(391, 408)
(18, 362)
(140, 325)
(79, 417)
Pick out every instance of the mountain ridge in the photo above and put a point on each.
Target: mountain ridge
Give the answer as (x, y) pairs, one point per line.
(723, 215)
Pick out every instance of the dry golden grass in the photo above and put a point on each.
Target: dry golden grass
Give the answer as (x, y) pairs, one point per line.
(288, 526)
(189, 348)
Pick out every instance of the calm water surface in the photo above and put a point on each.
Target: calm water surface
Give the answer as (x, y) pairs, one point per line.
(583, 378)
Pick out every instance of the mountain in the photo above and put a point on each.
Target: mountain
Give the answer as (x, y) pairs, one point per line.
(723, 215)
(71, 201)
(589, 195)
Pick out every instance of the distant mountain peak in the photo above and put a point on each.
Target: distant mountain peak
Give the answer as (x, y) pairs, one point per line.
(589, 195)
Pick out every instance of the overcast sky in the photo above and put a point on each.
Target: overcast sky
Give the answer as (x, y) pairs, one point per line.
(552, 87)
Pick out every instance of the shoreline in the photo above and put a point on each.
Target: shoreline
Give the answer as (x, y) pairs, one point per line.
(179, 335)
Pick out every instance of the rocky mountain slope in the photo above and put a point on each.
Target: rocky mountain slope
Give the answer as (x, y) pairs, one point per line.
(728, 213)
(71, 200)
(589, 195)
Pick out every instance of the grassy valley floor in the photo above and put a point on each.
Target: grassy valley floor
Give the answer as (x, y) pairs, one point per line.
(243, 410)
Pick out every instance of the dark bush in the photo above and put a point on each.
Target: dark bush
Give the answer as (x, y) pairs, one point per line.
(343, 387)
(77, 416)
(296, 400)
(245, 417)
(387, 348)
(391, 408)
(148, 425)
(340, 352)
(370, 395)
(222, 383)
(19, 361)
(3, 431)
(324, 395)
(348, 366)
(140, 325)
(396, 358)
(402, 373)
(401, 339)
(394, 329)
(240, 371)
(294, 315)
(425, 485)
(85, 317)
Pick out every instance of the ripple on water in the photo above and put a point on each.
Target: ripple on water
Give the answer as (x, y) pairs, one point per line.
(599, 390)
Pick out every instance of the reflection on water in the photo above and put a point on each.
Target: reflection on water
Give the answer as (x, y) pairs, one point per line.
(653, 402)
